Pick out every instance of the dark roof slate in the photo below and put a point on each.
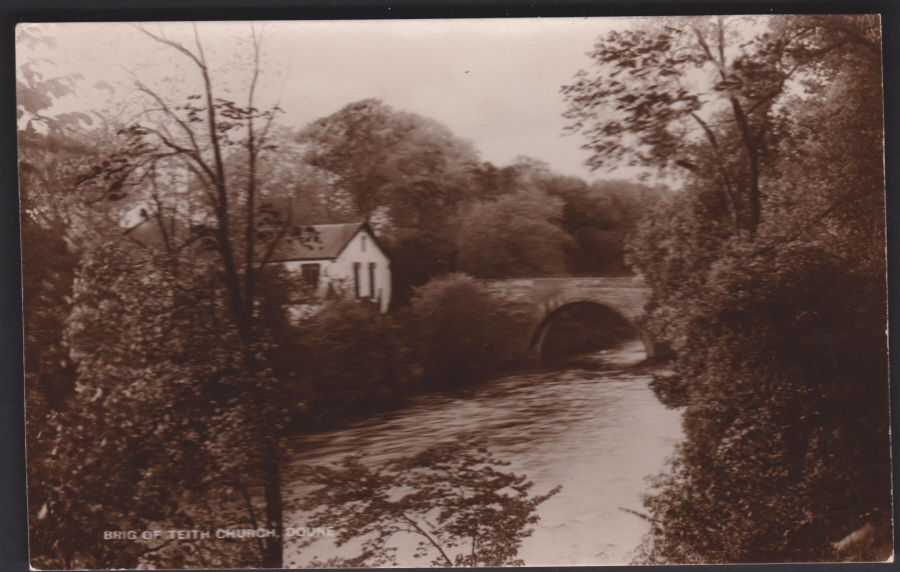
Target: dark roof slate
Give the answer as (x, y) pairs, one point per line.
(326, 241)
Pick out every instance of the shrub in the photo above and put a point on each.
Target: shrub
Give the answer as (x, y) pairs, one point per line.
(465, 333)
(351, 357)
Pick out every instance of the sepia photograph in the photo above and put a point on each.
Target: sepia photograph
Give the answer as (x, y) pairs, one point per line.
(454, 292)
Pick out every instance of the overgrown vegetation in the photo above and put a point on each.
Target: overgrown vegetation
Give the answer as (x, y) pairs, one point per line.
(768, 277)
(464, 332)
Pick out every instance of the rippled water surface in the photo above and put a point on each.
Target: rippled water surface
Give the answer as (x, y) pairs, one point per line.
(590, 425)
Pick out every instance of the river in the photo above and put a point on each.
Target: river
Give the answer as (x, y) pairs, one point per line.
(591, 425)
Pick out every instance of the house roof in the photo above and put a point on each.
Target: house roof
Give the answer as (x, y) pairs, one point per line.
(327, 242)
(319, 242)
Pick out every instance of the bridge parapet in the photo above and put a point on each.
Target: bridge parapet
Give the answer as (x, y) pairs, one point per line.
(625, 295)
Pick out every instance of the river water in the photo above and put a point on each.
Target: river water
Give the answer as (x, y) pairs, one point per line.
(591, 425)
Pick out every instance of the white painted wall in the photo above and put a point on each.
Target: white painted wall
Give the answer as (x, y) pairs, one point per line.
(361, 249)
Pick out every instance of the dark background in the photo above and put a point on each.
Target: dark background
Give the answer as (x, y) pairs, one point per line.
(13, 516)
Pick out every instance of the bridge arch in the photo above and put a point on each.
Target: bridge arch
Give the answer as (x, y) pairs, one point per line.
(602, 326)
(546, 299)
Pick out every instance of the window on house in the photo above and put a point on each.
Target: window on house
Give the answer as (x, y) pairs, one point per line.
(356, 279)
(363, 239)
(311, 274)
(372, 279)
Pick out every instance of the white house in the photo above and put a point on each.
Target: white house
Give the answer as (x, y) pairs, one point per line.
(340, 259)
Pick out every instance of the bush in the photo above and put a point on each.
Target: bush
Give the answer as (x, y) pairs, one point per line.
(351, 357)
(465, 333)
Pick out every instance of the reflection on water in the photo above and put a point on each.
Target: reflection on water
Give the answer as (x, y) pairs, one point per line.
(598, 432)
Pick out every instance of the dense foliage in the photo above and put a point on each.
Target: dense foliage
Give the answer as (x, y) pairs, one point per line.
(515, 235)
(465, 332)
(351, 359)
(174, 227)
(768, 278)
(142, 426)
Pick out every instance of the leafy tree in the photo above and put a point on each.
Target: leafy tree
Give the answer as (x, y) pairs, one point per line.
(158, 400)
(54, 230)
(387, 158)
(599, 217)
(48, 261)
(416, 258)
(310, 194)
(515, 235)
(36, 92)
(786, 415)
(406, 173)
(452, 497)
(645, 100)
(490, 182)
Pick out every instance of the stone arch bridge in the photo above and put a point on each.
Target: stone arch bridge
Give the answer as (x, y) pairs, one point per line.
(548, 297)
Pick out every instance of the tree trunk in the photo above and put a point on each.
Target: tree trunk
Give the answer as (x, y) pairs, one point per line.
(751, 146)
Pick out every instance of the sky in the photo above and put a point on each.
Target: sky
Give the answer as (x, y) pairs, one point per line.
(495, 83)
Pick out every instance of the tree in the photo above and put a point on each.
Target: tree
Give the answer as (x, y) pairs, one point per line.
(310, 193)
(645, 101)
(352, 357)
(392, 159)
(188, 172)
(52, 147)
(786, 419)
(164, 418)
(35, 92)
(599, 217)
(48, 261)
(464, 511)
(516, 235)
